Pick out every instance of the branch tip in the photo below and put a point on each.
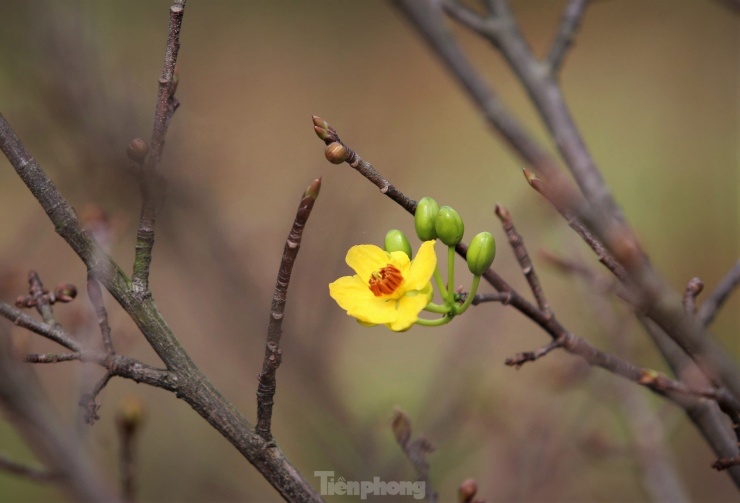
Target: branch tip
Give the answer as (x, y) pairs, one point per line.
(313, 189)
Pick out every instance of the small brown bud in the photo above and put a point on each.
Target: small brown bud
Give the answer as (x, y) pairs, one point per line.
(336, 153)
(137, 150)
(401, 426)
(130, 415)
(65, 292)
(22, 301)
(467, 491)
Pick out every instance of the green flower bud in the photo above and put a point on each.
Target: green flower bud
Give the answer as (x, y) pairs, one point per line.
(425, 219)
(395, 240)
(481, 252)
(449, 226)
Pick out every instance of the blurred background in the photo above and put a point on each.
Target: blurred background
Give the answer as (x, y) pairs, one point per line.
(652, 84)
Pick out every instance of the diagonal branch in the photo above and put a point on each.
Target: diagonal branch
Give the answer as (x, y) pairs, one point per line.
(522, 256)
(273, 354)
(567, 29)
(721, 293)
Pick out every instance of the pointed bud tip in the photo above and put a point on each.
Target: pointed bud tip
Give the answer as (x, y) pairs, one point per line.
(313, 189)
(467, 491)
(529, 175)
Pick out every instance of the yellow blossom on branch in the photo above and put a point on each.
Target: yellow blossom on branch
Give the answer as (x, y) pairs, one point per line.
(388, 288)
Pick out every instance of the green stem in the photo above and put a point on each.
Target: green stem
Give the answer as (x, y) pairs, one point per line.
(436, 308)
(450, 273)
(434, 323)
(471, 295)
(440, 283)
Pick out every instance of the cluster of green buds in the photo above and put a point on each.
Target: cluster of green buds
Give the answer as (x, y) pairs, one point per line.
(444, 223)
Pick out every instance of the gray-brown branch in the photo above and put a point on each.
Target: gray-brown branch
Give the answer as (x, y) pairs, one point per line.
(267, 383)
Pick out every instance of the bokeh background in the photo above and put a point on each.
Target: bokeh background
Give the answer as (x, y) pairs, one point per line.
(653, 85)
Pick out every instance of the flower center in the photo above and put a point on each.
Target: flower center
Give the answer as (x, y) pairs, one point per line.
(385, 281)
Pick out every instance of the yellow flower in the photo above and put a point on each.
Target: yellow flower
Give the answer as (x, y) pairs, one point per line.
(388, 288)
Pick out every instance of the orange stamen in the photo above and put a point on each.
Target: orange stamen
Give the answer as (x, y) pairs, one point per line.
(385, 281)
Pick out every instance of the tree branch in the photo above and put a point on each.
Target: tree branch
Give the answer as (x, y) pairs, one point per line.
(522, 256)
(721, 293)
(273, 354)
(567, 29)
(151, 182)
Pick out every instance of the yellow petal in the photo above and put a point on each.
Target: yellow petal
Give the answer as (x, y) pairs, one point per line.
(422, 267)
(355, 297)
(366, 259)
(408, 308)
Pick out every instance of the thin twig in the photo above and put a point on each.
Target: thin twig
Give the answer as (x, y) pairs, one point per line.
(522, 256)
(693, 288)
(569, 24)
(95, 295)
(52, 358)
(520, 359)
(36, 474)
(725, 463)
(39, 298)
(273, 354)
(480, 298)
(415, 450)
(721, 293)
(151, 181)
(89, 403)
(50, 331)
(555, 198)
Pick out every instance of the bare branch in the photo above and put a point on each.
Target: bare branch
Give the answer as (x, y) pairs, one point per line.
(52, 332)
(273, 354)
(569, 24)
(693, 288)
(36, 474)
(151, 181)
(522, 256)
(96, 299)
(415, 450)
(52, 358)
(721, 293)
(725, 463)
(520, 359)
